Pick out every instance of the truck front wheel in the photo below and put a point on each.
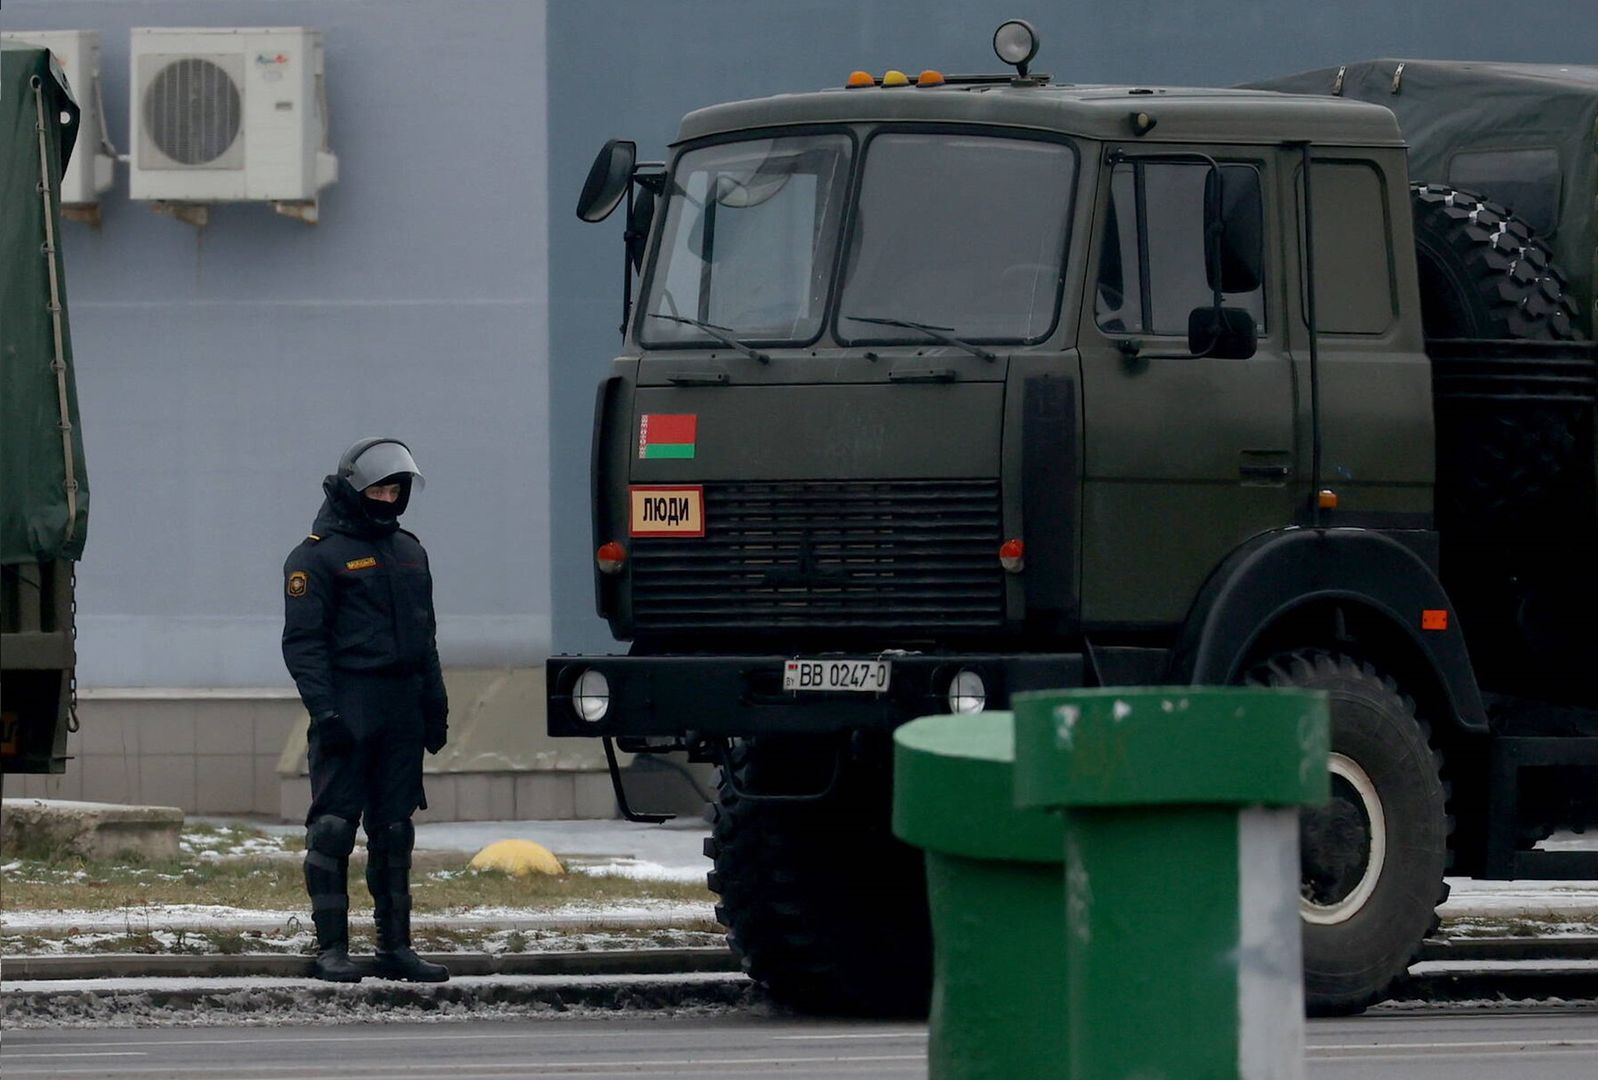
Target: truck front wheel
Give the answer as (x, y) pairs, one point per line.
(1373, 857)
(825, 907)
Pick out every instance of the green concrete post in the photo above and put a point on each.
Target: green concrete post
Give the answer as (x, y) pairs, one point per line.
(995, 887)
(1181, 861)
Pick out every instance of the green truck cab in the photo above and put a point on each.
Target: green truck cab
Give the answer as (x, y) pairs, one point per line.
(44, 494)
(940, 389)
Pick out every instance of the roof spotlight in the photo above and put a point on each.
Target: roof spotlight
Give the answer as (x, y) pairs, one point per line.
(1016, 43)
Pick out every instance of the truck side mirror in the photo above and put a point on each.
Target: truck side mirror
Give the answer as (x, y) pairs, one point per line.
(1234, 233)
(1224, 333)
(608, 178)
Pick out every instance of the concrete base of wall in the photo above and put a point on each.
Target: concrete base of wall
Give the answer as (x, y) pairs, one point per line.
(242, 752)
(205, 751)
(89, 830)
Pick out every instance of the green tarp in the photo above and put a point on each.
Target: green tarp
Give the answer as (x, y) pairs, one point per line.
(34, 511)
(1524, 135)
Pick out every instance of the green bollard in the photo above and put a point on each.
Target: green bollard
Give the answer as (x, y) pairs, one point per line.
(1181, 858)
(995, 888)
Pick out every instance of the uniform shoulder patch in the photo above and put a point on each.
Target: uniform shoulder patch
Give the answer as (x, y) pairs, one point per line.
(299, 583)
(312, 537)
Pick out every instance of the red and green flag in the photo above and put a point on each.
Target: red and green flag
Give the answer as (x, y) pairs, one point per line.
(667, 435)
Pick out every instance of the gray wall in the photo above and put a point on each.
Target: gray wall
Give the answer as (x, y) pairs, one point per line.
(624, 81)
(222, 371)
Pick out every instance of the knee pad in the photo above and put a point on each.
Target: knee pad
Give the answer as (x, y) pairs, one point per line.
(394, 840)
(331, 835)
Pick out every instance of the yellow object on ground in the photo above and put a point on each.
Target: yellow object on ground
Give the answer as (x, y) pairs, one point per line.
(518, 857)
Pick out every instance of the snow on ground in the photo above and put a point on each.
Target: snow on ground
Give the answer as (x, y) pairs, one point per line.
(199, 917)
(1563, 899)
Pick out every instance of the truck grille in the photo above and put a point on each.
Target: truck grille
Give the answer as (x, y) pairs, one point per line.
(891, 554)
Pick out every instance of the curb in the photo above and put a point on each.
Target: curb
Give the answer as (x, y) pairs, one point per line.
(356, 1002)
(1544, 949)
(293, 966)
(661, 961)
(1495, 986)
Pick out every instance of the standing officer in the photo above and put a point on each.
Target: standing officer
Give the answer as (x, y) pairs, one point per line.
(359, 639)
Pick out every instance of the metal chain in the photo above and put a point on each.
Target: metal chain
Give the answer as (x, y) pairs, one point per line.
(72, 672)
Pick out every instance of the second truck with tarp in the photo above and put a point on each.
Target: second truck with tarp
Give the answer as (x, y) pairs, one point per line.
(44, 495)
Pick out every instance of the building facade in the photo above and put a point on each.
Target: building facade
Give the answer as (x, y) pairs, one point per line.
(450, 296)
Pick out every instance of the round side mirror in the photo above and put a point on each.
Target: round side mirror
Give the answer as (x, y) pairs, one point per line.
(607, 180)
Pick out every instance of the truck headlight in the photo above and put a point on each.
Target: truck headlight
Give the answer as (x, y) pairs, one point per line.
(967, 692)
(591, 696)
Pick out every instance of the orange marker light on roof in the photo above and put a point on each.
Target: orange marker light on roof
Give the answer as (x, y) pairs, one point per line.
(895, 78)
(860, 78)
(930, 78)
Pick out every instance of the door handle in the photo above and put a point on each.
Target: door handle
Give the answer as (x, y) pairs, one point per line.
(1267, 473)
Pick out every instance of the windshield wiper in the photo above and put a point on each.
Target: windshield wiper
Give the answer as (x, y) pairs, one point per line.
(720, 333)
(940, 333)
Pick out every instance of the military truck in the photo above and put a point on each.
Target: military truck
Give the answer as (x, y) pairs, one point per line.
(44, 494)
(938, 389)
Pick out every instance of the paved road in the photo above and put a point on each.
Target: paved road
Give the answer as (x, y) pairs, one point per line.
(1433, 1045)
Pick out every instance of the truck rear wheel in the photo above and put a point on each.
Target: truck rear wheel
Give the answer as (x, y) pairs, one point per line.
(825, 907)
(1373, 857)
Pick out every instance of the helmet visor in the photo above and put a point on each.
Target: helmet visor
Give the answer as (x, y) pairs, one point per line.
(382, 460)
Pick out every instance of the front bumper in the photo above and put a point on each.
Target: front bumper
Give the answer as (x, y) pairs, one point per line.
(726, 696)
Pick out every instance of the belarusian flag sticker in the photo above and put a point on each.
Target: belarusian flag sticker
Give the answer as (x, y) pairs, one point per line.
(667, 435)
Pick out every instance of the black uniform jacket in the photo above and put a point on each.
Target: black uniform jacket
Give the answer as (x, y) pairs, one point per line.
(358, 596)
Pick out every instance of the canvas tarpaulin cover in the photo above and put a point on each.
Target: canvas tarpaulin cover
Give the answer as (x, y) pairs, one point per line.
(1523, 135)
(34, 496)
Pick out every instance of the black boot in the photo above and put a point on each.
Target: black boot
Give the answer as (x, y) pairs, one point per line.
(388, 875)
(328, 841)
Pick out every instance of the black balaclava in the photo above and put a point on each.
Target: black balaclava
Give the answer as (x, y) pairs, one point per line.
(385, 512)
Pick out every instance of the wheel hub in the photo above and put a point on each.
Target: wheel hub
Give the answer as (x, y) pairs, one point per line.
(1342, 846)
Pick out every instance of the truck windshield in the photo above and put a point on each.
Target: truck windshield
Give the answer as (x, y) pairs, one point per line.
(962, 232)
(748, 241)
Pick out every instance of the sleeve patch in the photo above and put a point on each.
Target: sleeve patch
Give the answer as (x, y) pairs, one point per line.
(299, 583)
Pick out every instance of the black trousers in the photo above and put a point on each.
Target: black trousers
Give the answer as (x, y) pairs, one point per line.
(380, 778)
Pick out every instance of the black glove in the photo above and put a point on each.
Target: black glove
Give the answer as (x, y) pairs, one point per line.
(332, 734)
(436, 733)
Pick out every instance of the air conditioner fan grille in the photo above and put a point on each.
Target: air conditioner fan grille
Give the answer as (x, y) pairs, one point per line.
(192, 111)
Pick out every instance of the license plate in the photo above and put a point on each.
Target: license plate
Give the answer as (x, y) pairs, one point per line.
(865, 676)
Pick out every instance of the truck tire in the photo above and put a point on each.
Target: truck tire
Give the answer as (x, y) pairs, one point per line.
(1483, 274)
(1373, 857)
(823, 905)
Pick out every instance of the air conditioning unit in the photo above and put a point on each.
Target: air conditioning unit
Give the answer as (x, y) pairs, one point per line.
(229, 115)
(90, 172)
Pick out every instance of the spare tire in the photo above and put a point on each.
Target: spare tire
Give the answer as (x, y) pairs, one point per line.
(1505, 461)
(1483, 273)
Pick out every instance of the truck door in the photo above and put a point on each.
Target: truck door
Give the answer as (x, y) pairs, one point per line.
(1184, 457)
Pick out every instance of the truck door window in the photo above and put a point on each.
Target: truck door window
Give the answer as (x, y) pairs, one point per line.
(963, 232)
(748, 240)
(1151, 255)
(1354, 287)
